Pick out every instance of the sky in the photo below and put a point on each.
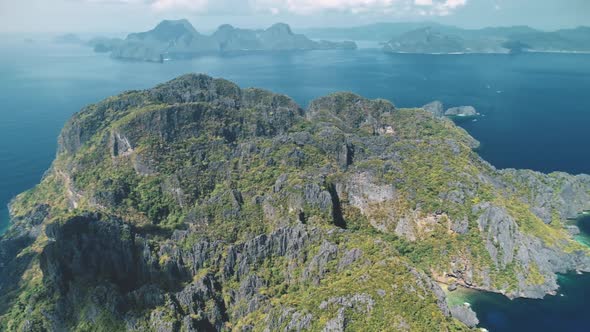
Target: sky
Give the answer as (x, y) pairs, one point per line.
(122, 16)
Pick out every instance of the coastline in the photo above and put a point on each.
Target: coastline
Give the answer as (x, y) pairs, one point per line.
(499, 313)
(495, 309)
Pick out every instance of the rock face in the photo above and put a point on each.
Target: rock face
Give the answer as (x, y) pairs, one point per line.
(435, 107)
(464, 314)
(179, 39)
(198, 205)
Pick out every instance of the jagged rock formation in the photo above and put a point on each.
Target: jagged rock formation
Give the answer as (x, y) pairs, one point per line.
(198, 205)
(465, 315)
(461, 111)
(437, 109)
(179, 39)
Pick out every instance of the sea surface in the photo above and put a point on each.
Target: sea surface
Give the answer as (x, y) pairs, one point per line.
(536, 114)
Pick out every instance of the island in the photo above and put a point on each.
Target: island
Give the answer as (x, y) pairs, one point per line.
(199, 205)
(425, 41)
(448, 40)
(462, 111)
(436, 38)
(437, 109)
(178, 39)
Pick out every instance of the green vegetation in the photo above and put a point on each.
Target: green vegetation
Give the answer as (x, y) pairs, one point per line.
(384, 201)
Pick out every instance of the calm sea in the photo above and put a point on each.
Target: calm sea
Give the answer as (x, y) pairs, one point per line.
(536, 115)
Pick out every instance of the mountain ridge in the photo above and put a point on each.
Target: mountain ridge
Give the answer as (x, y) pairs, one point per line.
(406, 38)
(172, 39)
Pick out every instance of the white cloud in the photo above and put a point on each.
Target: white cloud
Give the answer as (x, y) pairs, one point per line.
(423, 2)
(305, 7)
(194, 5)
(360, 6)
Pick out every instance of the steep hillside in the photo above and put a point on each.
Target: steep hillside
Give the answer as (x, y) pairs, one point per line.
(198, 205)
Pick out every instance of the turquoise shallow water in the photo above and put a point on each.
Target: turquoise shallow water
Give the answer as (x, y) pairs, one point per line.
(584, 224)
(536, 115)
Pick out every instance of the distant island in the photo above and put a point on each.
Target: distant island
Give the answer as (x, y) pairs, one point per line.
(178, 39)
(434, 38)
(438, 110)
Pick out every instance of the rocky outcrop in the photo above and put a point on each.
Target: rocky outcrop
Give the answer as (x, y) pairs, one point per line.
(465, 314)
(436, 108)
(361, 303)
(96, 252)
(559, 192)
(508, 244)
(502, 232)
(428, 285)
(461, 111)
(349, 111)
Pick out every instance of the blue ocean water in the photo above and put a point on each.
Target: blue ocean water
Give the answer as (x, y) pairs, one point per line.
(565, 312)
(536, 111)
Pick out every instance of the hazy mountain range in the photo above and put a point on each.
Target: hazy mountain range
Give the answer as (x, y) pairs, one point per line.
(428, 37)
(173, 39)
(179, 39)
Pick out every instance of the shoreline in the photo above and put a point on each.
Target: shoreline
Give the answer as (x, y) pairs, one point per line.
(483, 303)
